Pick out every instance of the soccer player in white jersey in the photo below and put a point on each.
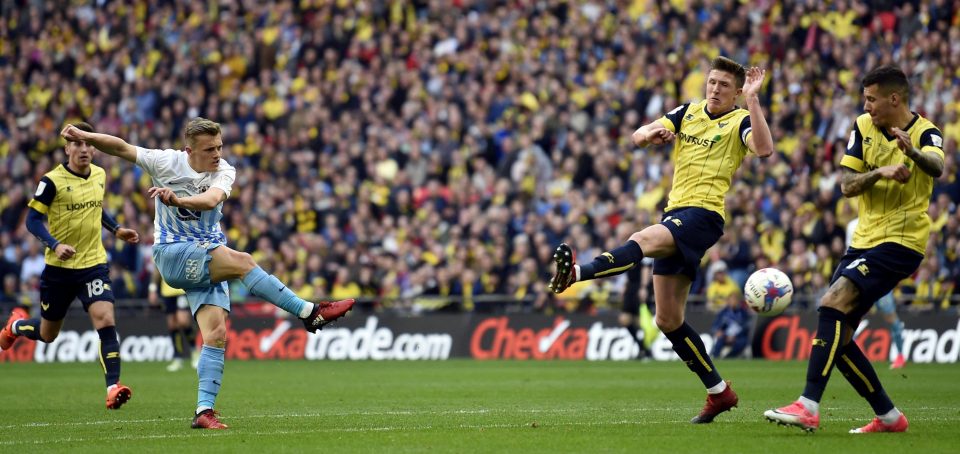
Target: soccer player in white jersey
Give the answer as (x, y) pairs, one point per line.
(190, 249)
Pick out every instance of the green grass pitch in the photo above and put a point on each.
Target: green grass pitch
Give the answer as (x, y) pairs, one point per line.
(462, 406)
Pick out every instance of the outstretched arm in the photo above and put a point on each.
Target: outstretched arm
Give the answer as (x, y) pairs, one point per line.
(652, 133)
(106, 143)
(760, 140)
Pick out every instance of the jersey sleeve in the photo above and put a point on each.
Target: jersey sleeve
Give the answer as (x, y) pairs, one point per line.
(224, 179)
(43, 198)
(151, 160)
(672, 119)
(853, 159)
(931, 140)
(746, 128)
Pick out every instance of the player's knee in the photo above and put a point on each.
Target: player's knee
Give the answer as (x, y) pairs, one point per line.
(654, 241)
(216, 336)
(667, 323)
(835, 301)
(639, 238)
(244, 262)
(103, 321)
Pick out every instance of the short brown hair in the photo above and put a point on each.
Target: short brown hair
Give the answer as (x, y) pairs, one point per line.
(200, 127)
(83, 126)
(729, 66)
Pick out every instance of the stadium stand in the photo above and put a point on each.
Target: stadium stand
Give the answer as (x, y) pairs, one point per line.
(427, 157)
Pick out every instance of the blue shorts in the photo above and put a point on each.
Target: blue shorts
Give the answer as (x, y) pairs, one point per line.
(60, 286)
(875, 272)
(187, 266)
(694, 231)
(886, 304)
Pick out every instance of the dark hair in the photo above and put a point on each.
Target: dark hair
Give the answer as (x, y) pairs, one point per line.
(729, 66)
(889, 78)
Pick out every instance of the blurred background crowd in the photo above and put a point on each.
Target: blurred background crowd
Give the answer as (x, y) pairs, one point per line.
(428, 155)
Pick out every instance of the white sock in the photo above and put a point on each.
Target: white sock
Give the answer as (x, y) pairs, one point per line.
(576, 273)
(13, 328)
(718, 388)
(810, 405)
(111, 387)
(305, 312)
(200, 409)
(890, 417)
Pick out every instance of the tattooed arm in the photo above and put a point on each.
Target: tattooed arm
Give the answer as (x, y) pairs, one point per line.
(929, 163)
(854, 183)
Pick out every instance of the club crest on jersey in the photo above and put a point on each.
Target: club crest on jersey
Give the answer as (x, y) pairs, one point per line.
(197, 188)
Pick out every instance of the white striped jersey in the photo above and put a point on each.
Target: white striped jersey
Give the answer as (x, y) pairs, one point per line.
(169, 169)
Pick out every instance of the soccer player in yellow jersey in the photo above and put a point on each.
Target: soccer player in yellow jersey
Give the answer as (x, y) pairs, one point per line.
(70, 199)
(711, 139)
(891, 161)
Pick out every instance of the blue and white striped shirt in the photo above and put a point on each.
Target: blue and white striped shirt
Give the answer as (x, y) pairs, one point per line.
(170, 169)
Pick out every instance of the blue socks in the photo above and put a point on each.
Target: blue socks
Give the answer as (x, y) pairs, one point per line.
(270, 288)
(210, 372)
(896, 331)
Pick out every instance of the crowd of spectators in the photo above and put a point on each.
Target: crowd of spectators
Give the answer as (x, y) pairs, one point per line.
(431, 154)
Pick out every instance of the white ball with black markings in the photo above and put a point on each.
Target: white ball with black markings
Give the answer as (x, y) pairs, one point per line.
(768, 291)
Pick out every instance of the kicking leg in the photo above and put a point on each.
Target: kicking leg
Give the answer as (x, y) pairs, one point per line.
(654, 241)
(227, 264)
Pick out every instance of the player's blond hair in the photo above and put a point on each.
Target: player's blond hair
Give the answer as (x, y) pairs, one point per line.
(200, 127)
